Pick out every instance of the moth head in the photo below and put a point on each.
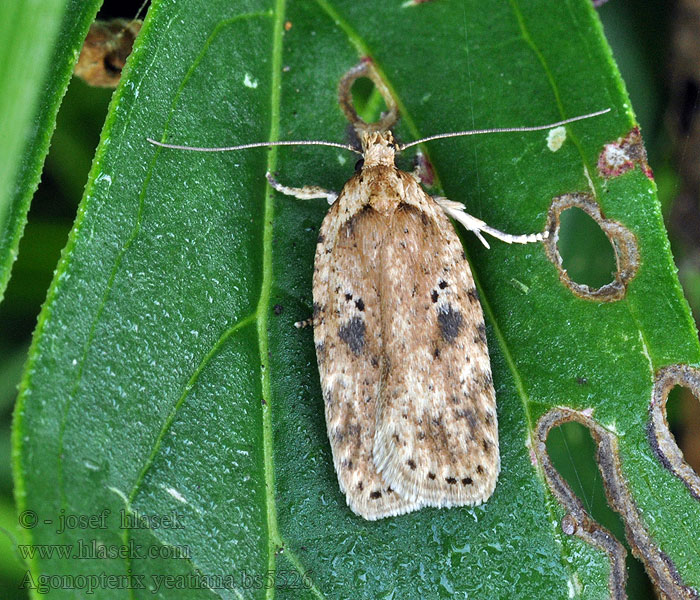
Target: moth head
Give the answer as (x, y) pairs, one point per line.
(378, 148)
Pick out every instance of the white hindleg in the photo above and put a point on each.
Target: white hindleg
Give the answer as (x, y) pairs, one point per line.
(457, 211)
(308, 192)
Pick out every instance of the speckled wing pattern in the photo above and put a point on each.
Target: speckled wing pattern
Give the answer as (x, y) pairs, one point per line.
(401, 346)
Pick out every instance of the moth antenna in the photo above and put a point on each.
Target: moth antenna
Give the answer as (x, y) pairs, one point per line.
(138, 12)
(256, 145)
(502, 129)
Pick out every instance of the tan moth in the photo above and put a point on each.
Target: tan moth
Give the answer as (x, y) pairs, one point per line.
(399, 331)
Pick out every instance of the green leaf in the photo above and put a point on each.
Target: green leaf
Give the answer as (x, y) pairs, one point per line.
(166, 377)
(40, 41)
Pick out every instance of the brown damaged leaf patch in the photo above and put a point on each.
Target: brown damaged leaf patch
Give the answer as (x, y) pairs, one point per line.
(659, 566)
(623, 155)
(622, 240)
(660, 438)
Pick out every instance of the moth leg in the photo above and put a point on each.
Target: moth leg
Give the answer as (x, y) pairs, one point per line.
(308, 192)
(305, 323)
(457, 211)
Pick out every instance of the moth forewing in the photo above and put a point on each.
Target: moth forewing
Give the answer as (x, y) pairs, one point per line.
(347, 322)
(437, 432)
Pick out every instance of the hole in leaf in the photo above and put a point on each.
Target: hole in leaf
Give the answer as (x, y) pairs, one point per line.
(683, 414)
(587, 255)
(572, 452)
(367, 100)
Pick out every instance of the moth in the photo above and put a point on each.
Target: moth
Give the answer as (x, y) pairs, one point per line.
(399, 332)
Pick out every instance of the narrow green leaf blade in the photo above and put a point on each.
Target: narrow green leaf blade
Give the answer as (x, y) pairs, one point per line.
(40, 40)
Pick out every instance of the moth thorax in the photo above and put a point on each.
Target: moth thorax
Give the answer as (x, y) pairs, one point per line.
(378, 148)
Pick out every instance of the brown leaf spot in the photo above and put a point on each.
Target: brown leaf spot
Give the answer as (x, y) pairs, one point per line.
(623, 155)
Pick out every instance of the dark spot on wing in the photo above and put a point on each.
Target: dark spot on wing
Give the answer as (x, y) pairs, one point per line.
(359, 303)
(321, 238)
(434, 296)
(349, 228)
(450, 480)
(411, 464)
(467, 481)
(348, 297)
(353, 334)
(484, 380)
(469, 415)
(480, 470)
(442, 285)
(480, 337)
(450, 322)
(431, 475)
(473, 296)
(376, 494)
